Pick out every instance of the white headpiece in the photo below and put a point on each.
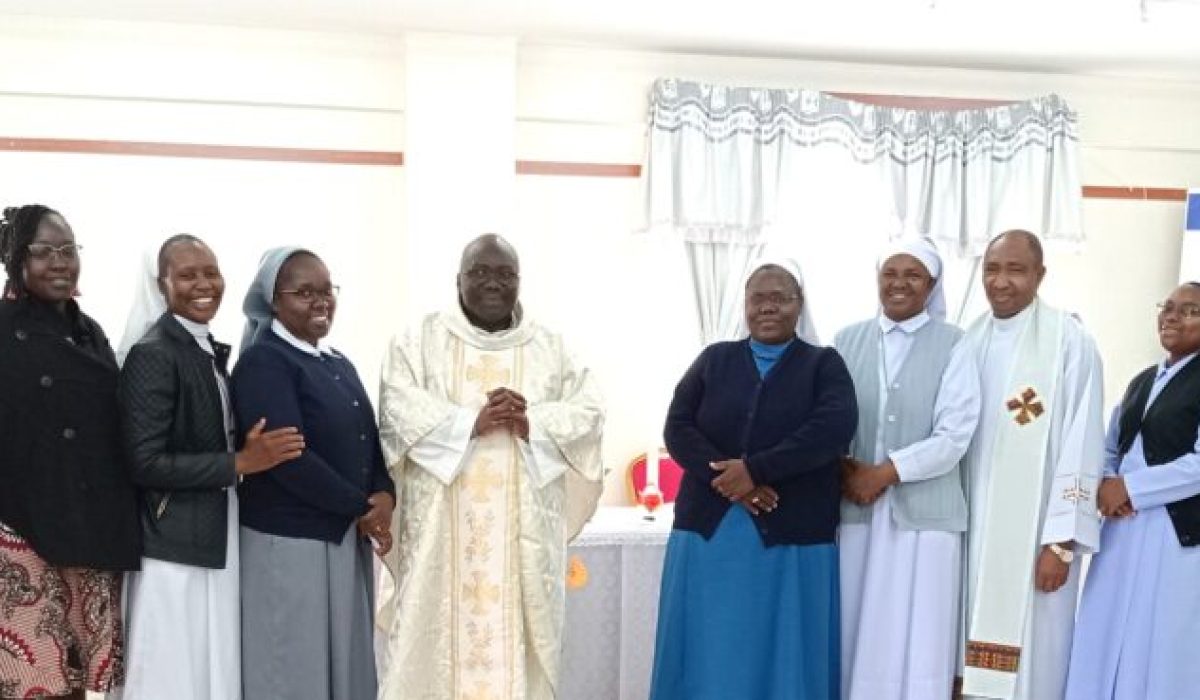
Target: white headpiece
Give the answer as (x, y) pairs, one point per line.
(148, 304)
(805, 328)
(926, 252)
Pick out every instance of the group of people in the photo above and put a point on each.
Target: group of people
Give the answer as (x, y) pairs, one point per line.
(170, 528)
(871, 520)
(902, 516)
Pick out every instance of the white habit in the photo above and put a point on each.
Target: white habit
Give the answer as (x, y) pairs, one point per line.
(1140, 612)
(900, 588)
(482, 524)
(183, 623)
(1065, 367)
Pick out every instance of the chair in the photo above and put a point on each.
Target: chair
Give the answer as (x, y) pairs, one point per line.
(669, 476)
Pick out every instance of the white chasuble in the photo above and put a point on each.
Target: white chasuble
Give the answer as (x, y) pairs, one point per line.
(482, 523)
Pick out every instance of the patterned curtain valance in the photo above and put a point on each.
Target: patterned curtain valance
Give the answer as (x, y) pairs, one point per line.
(721, 159)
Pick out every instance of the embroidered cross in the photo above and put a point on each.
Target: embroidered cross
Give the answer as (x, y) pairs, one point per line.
(1027, 406)
(480, 594)
(488, 374)
(481, 479)
(1076, 493)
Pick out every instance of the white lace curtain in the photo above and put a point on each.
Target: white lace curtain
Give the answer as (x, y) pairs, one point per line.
(831, 180)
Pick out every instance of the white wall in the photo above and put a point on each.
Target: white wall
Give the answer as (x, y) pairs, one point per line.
(584, 270)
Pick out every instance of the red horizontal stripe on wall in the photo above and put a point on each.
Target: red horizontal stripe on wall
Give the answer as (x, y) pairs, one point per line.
(1158, 194)
(396, 158)
(200, 150)
(553, 167)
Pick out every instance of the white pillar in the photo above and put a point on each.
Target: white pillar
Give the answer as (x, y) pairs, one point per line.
(459, 153)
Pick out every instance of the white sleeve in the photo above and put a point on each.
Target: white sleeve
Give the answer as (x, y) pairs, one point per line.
(543, 460)
(1071, 500)
(1165, 483)
(955, 415)
(444, 450)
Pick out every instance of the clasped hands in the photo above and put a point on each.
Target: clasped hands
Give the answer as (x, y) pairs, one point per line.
(864, 483)
(504, 410)
(734, 482)
(1112, 498)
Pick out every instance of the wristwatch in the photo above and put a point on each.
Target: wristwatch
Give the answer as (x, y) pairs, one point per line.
(1064, 555)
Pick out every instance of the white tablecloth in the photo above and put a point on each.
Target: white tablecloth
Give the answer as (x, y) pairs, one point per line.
(608, 644)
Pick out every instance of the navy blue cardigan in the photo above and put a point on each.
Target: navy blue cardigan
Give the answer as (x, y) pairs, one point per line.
(319, 494)
(791, 428)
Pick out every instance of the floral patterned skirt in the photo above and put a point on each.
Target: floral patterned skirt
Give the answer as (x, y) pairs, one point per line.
(60, 629)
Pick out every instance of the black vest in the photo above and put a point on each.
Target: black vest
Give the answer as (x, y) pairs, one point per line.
(1168, 432)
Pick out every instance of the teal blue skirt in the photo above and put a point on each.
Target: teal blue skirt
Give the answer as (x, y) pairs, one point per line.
(740, 621)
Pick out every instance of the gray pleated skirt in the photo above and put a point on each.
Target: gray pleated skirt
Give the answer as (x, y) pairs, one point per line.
(307, 606)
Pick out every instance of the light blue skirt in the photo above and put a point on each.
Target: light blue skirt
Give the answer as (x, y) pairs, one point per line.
(740, 621)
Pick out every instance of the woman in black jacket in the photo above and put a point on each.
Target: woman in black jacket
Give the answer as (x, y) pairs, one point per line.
(184, 616)
(68, 523)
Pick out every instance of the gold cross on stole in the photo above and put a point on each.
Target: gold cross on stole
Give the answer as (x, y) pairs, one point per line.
(487, 375)
(1027, 406)
(480, 593)
(480, 479)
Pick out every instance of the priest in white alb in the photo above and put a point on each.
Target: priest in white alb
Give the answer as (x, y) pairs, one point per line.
(492, 433)
(903, 509)
(1032, 473)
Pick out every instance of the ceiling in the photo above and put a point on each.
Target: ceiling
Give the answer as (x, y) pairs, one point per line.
(1144, 38)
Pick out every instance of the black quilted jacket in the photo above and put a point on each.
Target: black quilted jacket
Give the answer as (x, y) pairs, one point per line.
(174, 432)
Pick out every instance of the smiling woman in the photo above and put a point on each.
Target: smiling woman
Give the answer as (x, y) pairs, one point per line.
(307, 588)
(1126, 637)
(178, 427)
(749, 586)
(68, 524)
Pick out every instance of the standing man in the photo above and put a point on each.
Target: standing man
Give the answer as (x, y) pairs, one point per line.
(493, 435)
(1032, 473)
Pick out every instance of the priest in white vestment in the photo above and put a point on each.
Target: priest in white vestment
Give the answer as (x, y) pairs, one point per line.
(1032, 473)
(904, 511)
(1140, 613)
(492, 433)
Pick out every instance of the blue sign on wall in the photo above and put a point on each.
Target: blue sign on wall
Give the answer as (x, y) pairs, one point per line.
(1193, 210)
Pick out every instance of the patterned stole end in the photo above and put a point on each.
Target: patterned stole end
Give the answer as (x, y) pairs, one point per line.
(994, 657)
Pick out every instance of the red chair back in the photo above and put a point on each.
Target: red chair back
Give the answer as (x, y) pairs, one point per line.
(669, 476)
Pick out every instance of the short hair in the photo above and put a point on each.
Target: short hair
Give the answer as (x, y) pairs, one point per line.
(18, 228)
(164, 250)
(1031, 239)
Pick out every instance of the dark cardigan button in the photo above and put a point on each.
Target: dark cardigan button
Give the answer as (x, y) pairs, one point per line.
(46, 381)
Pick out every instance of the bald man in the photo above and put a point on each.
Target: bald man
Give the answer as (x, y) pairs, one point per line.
(492, 433)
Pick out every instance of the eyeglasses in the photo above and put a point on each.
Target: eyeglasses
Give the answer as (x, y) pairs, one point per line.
(309, 295)
(774, 299)
(482, 273)
(1167, 308)
(43, 251)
